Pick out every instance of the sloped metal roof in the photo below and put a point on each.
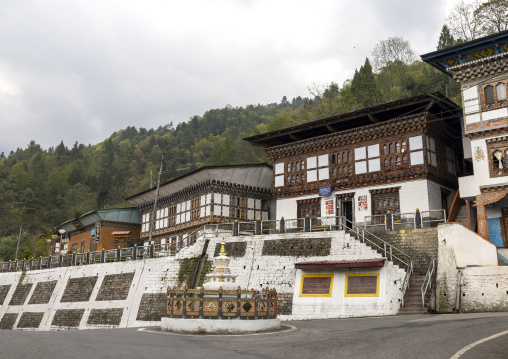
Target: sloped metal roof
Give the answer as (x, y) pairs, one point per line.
(257, 175)
(126, 215)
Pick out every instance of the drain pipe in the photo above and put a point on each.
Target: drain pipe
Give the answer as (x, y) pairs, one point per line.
(459, 289)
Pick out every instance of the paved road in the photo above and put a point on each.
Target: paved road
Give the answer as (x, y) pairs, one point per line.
(422, 336)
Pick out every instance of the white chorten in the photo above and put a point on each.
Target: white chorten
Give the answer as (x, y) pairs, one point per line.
(221, 275)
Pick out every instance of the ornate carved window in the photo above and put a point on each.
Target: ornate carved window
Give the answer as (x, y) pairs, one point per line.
(494, 95)
(237, 207)
(171, 216)
(498, 156)
(195, 208)
(341, 164)
(394, 154)
(385, 200)
(295, 172)
(311, 207)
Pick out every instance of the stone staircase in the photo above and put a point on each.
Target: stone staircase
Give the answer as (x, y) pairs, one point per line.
(413, 297)
(462, 215)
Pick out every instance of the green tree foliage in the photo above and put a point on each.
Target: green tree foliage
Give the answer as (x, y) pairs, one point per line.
(364, 86)
(446, 39)
(493, 16)
(470, 20)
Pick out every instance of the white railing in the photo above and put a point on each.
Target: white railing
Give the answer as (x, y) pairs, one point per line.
(174, 244)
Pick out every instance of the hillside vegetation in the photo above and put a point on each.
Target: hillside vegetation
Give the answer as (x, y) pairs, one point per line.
(42, 188)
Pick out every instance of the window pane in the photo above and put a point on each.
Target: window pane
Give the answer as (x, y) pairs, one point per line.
(489, 94)
(501, 91)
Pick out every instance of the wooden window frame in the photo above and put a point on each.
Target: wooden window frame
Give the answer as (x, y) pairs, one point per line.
(497, 103)
(293, 172)
(342, 169)
(394, 160)
(493, 147)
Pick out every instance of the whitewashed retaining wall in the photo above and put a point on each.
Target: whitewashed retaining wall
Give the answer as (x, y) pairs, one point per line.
(483, 284)
(255, 269)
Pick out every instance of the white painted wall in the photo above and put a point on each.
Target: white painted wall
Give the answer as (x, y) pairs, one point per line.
(339, 306)
(481, 170)
(151, 276)
(256, 271)
(468, 247)
(422, 194)
(483, 284)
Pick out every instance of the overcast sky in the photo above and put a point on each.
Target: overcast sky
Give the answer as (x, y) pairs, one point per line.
(80, 70)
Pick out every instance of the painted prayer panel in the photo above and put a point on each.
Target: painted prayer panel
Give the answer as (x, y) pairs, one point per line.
(316, 285)
(362, 285)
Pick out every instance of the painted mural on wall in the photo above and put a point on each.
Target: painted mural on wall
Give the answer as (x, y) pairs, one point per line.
(329, 207)
(479, 155)
(362, 203)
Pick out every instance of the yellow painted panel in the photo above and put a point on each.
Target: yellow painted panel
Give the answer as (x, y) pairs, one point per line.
(317, 285)
(362, 285)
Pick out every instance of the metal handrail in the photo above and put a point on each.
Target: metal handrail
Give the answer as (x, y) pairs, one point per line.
(346, 224)
(377, 220)
(403, 219)
(427, 282)
(176, 243)
(427, 216)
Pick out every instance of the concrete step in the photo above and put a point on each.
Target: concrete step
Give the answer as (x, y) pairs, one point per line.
(413, 311)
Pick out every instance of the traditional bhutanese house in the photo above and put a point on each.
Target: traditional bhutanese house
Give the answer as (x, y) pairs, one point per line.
(481, 68)
(395, 157)
(105, 228)
(212, 194)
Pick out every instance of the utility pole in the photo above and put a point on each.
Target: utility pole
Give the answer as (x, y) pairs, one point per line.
(19, 237)
(152, 221)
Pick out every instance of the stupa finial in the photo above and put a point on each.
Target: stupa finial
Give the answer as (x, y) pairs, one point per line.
(222, 249)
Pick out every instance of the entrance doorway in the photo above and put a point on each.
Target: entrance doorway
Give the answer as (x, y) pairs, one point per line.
(346, 208)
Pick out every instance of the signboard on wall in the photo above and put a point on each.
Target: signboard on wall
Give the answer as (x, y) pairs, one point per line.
(325, 190)
(362, 285)
(316, 285)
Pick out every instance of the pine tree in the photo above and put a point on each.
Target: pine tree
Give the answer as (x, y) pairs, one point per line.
(364, 86)
(446, 39)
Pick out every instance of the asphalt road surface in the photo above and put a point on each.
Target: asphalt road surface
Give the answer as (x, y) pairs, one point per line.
(464, 336)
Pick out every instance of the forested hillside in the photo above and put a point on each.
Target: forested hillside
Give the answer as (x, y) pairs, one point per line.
(42, 188)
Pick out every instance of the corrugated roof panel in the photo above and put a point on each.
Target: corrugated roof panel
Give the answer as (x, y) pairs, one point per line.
(112, 216)
(89, 219)
(124, 216)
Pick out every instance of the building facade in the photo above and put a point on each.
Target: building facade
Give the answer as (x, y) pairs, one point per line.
(394, 157)
(108, 229)
(481, 68)
(209, 195)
